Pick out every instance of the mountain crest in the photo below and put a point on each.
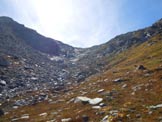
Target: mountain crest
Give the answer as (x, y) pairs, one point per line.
(6, 19)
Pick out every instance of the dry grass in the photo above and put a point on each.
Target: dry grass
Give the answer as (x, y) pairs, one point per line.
(125, 100)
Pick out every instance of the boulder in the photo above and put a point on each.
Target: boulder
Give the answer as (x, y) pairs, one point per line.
(156, 106)
(43, 114)
(96, 107)
(25, 116)
(2, 83)
(124, 86)
(114, 112)
(118, 80)
(160, 119)
(85, 118)
(141, 67)
(138, 115)
(1, 112)
(15, 119)
(93, 101)
(101, 90)
(15, 107)
(51, 120)
(105, 119)
(82, 99)
(66, 120)
(102, 104)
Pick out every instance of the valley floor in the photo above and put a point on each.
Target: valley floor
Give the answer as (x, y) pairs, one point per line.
(130, 91)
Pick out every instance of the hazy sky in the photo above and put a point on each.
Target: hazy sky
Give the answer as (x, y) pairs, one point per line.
(83, 23)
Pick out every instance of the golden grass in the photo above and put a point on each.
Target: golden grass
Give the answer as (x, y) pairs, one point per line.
(124, 100)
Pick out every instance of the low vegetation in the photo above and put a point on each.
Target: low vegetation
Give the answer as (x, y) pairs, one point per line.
(130, 94)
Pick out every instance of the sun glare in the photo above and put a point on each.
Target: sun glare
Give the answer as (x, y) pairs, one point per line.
(54, 14)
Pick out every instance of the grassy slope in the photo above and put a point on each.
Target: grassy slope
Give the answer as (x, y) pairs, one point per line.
(129, 103)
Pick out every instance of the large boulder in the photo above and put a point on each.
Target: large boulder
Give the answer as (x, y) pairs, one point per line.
(82, 99)
(93, 101)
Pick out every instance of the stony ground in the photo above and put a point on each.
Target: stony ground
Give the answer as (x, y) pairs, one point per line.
(128, 90)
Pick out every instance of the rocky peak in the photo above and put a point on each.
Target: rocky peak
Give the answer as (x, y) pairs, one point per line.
(158, 24)
(6, 19)
(39, 42)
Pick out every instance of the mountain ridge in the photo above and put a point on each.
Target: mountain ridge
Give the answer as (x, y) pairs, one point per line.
(31, 37)
(75, 63)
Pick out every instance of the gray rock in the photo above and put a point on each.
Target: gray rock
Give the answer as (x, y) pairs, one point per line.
(54, 113)
(93, 101)
(118, 80)
(102, 104)
(66, 120)
(101, 90)
(15, 107)
(138, 115)
(2, 83)
(100, 113)
(160, 119)
(21, 102)
(96, 107)
(34, 78)
(156, 106)
(150, 112)
(137, 87)
(1, 112)
(124, 86)
(51, 120)
(140, 67)
(15, 119)
(85, 118)
(82, 99)
(147, 75)
(114, 112)
(43, 114)
(105, 119)
(26, 116)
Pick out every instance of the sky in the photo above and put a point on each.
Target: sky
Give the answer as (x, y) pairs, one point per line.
(83, 23)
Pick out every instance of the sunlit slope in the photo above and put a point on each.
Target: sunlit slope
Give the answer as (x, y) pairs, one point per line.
(131, 98)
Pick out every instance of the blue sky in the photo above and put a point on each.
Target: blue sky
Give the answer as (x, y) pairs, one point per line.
(83, 23)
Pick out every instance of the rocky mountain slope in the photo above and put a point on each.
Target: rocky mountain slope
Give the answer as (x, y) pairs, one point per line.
(101, 54)
(30, 37)
(39, 72)
(28, 59)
